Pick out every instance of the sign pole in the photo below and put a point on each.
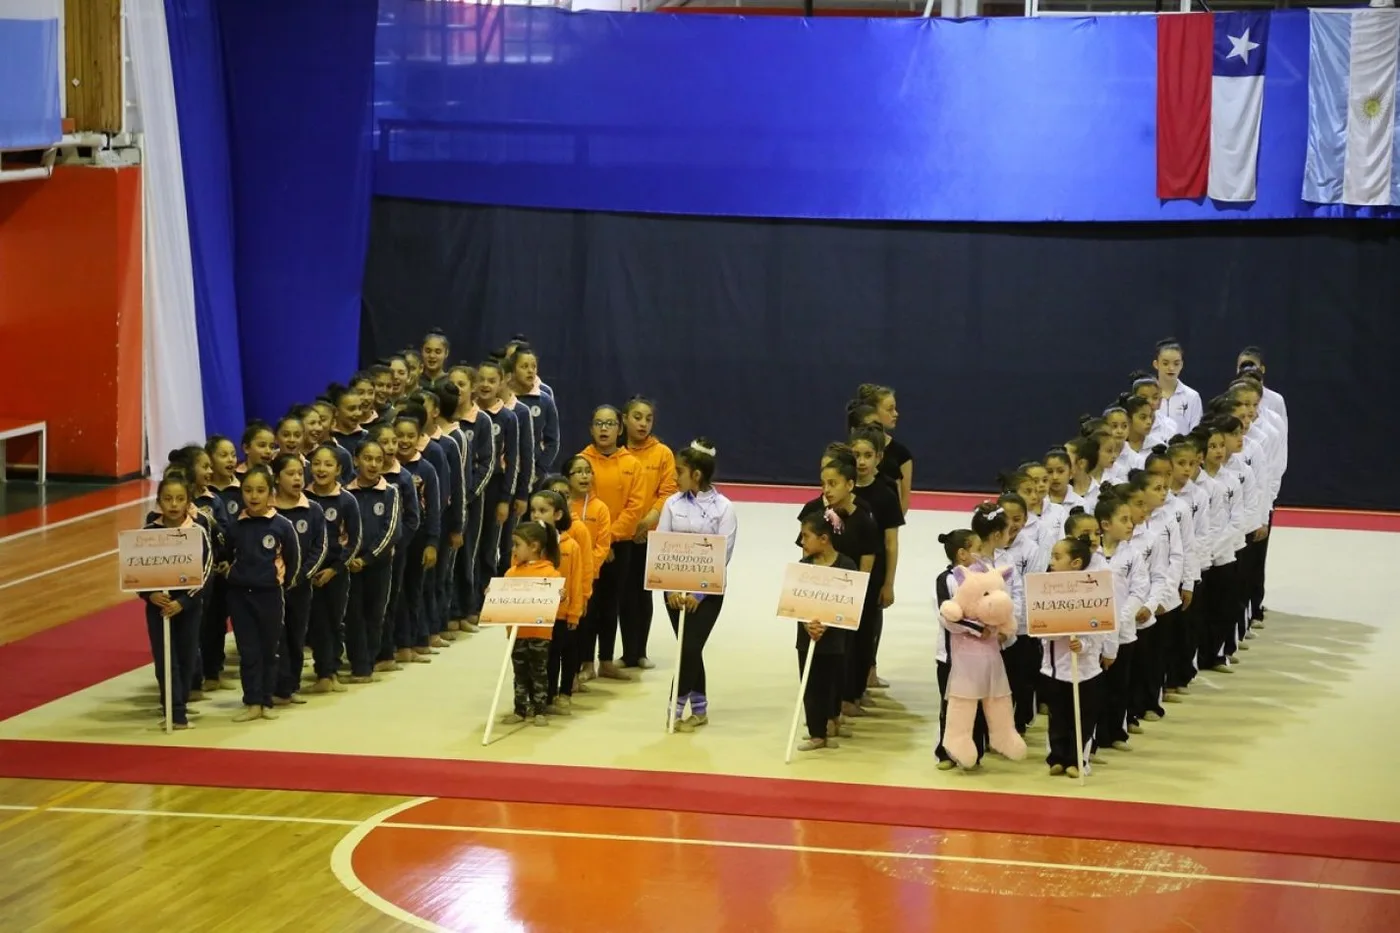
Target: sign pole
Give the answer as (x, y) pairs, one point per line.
(1078, 728)
(801, 693)
(676, 680)
(169, 681)
(500, 684)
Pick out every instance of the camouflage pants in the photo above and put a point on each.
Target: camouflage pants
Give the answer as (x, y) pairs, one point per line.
(530, 658)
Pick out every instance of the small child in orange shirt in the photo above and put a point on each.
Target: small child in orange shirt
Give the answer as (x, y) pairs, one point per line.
(575, 563)
(535, 553)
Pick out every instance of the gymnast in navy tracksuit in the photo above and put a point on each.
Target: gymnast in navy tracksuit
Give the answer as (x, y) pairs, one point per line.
(524, 476)
(410, 516)
(345, 430)
(441, 452)
(266, 560)
(523, 365)
(484, 456)
(181, 607)
(500, 491)
(371, 570)
(330, 586)
(446, 397)
(310, 523)
(411, 622)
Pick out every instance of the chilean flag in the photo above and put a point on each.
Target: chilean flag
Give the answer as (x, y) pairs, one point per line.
(1210, 101)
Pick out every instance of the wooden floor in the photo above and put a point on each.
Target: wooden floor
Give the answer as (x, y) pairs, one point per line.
(131, 857)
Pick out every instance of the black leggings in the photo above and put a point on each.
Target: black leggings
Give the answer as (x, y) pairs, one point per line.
(213, 629)
(823, 694)
(979, 724)
(698, 626)
(563, 660)
(635, 603)
(364, 615)
(860, 654)
(258, 617)
(327, 614)
(1059, 696)
(298, 620)
(603, 607)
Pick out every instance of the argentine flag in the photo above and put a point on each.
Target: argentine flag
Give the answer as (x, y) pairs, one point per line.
(1353, 138)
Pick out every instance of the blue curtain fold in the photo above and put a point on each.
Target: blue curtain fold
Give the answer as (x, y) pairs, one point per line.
(197, 64)
(298, 80)
(988, 120)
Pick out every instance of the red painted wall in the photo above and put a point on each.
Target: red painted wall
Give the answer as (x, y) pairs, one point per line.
(70, 316)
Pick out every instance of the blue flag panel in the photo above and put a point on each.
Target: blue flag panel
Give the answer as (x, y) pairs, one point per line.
(881, 119)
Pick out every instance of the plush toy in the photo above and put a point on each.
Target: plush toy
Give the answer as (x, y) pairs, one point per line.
(979, 611)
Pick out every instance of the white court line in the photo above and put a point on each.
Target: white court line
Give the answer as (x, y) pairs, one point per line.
(343, 867)
(341, 857)
(59, 569)
(75, 519)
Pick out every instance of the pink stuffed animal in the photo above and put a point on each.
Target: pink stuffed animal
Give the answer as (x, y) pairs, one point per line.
(979, 611)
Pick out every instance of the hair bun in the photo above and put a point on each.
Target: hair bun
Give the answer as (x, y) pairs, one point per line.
(703, 445)
(944, 538)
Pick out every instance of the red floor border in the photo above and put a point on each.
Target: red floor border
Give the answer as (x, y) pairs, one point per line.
(55, 663)
(958, 810)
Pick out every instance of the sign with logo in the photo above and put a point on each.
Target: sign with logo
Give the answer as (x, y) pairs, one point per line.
(685, 563)
(1079, 603)
(829, 595)
(522, 601)
(161, 559)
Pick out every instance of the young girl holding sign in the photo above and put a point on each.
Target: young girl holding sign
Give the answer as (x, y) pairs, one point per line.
(697, 508)
(857, 537)
(823, 697)
(534, 549)
(1070, 555)
(182, 608)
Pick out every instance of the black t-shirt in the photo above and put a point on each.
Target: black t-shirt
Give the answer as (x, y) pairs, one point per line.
(881, 499)
(859, 535)
(833, 640)
(892, 464)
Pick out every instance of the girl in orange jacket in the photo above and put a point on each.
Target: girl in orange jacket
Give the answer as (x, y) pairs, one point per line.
(616, 481)
(657, 483)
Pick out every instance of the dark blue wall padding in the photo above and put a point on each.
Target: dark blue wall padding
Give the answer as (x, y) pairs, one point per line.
(197, 64)
(996, 337)
(297, 78)
(1005, 119)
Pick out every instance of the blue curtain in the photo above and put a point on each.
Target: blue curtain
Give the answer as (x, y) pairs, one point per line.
(1003, 119)
(298, 80)
(197, 65)
(30, 115)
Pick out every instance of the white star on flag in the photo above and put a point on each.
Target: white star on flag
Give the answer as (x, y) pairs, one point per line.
(1240, 47)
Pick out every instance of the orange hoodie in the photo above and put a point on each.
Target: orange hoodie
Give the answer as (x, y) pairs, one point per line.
(617, 481)
(578, 533)
(593, 514)
(538, 568)
(571, 565)
(658, 479)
